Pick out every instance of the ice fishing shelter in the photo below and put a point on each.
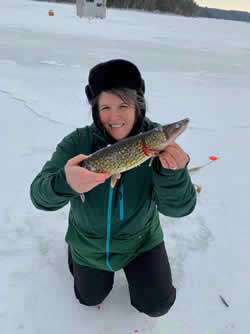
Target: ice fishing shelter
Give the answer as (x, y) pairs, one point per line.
(91, 8)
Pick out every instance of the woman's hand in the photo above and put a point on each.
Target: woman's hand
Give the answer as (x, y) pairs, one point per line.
(173, 157)
(81, 179)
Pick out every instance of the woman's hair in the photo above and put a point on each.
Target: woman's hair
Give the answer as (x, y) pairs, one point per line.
(129, 96)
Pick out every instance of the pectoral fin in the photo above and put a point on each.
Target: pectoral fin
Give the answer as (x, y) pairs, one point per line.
(82, 197)
(114, 179)
(151, 161)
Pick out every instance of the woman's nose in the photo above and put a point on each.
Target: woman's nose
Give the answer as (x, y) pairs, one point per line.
(114, 114)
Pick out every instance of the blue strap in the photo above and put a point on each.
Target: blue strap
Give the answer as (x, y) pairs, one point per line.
(109, 227)
(121, 203)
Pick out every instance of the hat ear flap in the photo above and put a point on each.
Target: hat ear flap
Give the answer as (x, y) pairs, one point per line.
(88, 93)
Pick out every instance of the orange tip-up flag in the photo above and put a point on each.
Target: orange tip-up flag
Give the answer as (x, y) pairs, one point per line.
(213, 158)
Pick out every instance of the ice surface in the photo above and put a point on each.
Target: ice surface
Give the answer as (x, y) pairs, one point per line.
(193, 67)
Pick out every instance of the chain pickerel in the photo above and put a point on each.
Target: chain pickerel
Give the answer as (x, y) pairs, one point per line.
(133, 151)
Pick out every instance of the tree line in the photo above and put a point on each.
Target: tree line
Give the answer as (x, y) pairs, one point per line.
(181, 7)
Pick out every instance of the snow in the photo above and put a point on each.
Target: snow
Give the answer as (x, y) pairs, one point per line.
(193, 67)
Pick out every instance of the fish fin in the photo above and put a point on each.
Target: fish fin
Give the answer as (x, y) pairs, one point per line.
(82, 197)
(114, 179)
(151, 161)
(197, 188)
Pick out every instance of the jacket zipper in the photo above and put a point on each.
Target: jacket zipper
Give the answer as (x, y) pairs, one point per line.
(109, 227)
(109, 218)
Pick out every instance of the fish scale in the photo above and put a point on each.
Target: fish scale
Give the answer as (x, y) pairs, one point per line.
(133, 151)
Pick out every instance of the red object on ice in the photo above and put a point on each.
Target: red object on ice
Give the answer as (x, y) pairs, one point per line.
(136, 331)
(213, 158)
(99, 307)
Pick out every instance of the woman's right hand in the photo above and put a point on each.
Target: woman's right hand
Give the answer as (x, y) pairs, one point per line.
(81, 179)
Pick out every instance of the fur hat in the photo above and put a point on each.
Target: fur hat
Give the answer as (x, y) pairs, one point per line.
(116, 73)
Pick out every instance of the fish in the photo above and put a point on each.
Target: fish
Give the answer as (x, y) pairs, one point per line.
(131, 152)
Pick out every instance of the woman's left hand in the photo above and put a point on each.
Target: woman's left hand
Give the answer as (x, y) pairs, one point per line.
(173, 157)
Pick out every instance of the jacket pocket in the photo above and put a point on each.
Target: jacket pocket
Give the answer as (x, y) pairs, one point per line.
(129, 243)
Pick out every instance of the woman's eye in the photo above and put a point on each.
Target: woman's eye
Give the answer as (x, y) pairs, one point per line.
(104, 109)
(124, 106)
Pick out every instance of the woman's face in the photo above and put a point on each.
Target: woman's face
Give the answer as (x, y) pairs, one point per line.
(116, 115)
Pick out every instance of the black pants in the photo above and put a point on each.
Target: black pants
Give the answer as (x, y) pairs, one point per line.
(149, 280)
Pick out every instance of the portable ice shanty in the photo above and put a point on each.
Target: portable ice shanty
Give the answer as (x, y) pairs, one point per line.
(91, 8)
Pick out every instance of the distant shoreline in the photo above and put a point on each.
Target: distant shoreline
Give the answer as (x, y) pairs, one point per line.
(199, 11)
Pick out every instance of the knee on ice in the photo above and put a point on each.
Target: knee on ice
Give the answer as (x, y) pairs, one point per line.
(159, 309)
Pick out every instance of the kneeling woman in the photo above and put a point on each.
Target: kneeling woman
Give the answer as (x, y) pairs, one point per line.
(117, 228)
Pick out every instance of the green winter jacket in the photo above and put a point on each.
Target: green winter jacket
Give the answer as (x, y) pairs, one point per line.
(113, 225)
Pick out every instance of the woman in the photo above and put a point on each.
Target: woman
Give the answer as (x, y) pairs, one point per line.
(117, 228)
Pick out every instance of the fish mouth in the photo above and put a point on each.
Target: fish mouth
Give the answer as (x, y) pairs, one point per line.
(181, 125)
(173, 130)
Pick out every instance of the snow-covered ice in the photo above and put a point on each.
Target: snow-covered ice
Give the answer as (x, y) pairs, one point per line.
(193, 67)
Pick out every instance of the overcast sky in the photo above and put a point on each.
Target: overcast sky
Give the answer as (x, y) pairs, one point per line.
(226, 4)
